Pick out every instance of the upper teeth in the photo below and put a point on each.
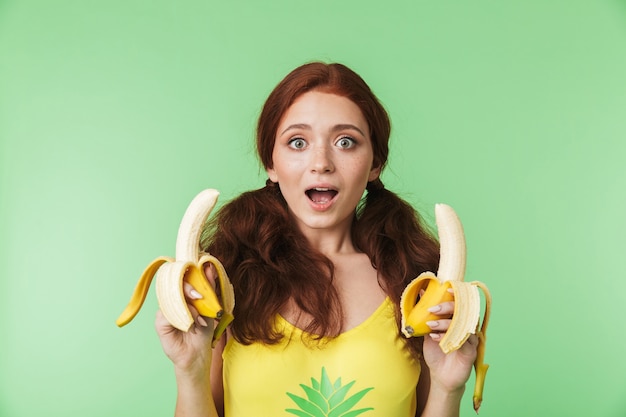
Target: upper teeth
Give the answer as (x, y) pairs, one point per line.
(321, 189)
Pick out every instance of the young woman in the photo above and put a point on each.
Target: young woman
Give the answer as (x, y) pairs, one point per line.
(318, 259)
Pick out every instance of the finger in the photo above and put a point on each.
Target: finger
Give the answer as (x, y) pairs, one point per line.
(160, 320)
(211, 273)
(436, 336)
(472, 340)
(443, 309)
(197, 318)
(162, 325)
(190, 292)
(470, 347)
(439, 326)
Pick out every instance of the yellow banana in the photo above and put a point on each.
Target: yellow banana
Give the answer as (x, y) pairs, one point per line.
(448, 285)
(188, 266)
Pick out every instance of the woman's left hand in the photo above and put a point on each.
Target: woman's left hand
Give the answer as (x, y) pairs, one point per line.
(449, 371)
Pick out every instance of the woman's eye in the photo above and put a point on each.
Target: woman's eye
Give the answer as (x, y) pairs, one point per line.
(345, 143)
(297, 143)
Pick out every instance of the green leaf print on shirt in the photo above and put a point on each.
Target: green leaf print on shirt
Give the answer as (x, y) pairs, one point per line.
(327, 399)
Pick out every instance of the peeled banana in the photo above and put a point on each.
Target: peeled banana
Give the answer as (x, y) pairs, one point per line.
(188, 266)
(428, 290)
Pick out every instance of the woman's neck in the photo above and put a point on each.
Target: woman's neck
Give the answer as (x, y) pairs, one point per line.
(330, 241)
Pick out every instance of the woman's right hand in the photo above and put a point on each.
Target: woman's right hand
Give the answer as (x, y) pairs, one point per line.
(191, 354)
(189, 351)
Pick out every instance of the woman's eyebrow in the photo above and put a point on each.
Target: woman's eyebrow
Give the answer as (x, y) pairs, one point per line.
(335, 128)
(347, 126)
(302, 126)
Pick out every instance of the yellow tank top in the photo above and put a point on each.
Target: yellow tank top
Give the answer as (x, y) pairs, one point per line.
(363, 372)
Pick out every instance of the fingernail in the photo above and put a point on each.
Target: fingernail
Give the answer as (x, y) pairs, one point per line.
(195, 295)
(432, 324)
(435, 336)
(201, 321)
(435, 309)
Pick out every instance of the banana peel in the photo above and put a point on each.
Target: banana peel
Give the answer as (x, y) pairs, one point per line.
(428, 290)
(187, 266)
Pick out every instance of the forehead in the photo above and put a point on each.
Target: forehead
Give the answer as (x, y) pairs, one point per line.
(318, 108)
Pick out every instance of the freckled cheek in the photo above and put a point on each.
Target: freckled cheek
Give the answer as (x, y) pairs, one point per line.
(293, 166)
(289, 174)
(361, 166)
(286, 163)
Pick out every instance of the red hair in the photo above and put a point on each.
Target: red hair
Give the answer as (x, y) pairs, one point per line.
(269, 260)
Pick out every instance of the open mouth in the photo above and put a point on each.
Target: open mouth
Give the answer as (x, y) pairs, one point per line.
(321, 195)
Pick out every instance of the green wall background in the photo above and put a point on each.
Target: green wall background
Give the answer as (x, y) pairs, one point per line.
(113, 115)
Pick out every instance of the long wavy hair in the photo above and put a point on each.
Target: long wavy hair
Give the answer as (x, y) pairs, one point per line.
(270, 261)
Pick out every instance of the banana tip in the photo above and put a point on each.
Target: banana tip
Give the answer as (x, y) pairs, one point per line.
(477, 403)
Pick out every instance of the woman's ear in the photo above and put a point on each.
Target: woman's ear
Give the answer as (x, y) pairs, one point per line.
(374, 174)
(271, 173)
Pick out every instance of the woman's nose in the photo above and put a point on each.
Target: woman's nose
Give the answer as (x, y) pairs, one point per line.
(322, 160)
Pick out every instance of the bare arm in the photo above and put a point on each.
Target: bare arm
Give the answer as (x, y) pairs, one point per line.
(436, 401)
(194, 397)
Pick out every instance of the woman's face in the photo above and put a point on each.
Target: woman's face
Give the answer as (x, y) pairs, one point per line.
(322, 160)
